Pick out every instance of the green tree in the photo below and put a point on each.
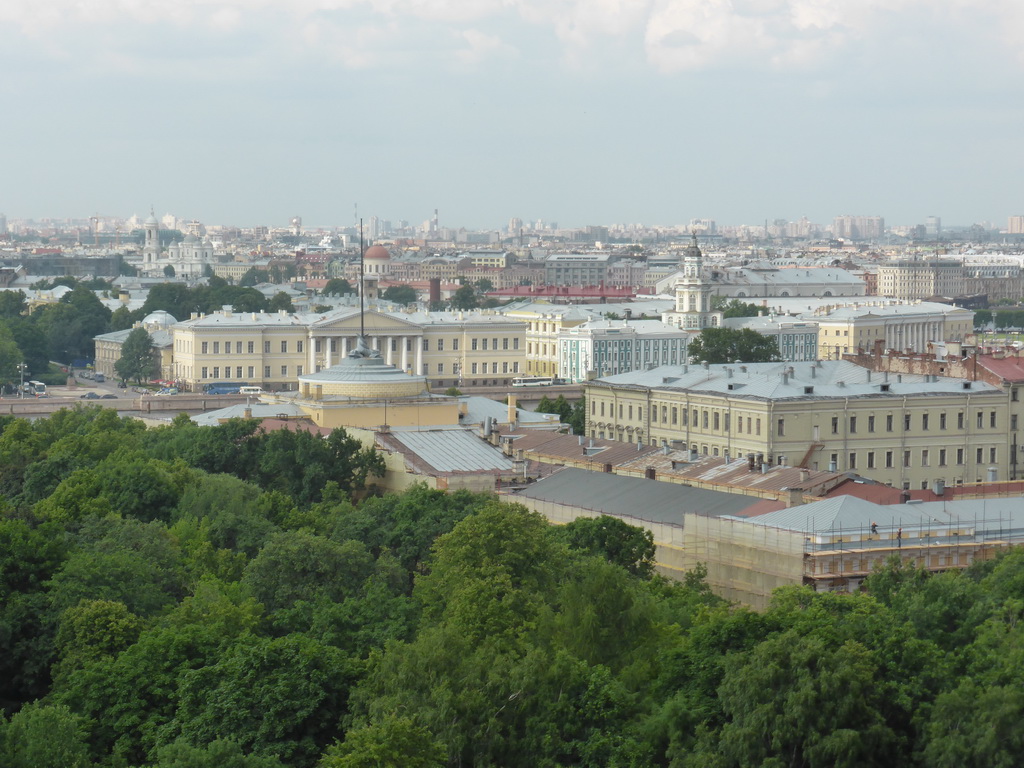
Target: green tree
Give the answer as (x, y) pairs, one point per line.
(169, 270)
(337, 286)
(282, 300)
(465, 298)
(391, 741)
(219, 753)
(10, 357)
(41, 736)
(136, 362)
(735, 307)
(620, 543)
(12, 303)
(121, 319)
(400, 294)
(726, 345)
(484, 284)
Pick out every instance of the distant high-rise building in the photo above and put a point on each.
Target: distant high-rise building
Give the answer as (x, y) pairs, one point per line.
(858, 227)
(3, 224)
(1016, 225)
(932, 226)
(703, 226)
(514, 225)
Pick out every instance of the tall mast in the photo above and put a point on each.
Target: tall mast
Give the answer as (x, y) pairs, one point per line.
(362, 283)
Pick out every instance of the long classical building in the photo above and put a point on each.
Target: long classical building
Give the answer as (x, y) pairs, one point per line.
(911, 279)
(906, 430)
(273, 350)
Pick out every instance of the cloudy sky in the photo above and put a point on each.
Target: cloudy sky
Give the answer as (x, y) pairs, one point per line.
(576, 111)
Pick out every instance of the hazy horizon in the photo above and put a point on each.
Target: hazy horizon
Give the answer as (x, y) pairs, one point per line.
(595, 112)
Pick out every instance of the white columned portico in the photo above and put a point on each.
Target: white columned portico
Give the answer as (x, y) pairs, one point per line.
(327, 352)
(419, 358)
(404, 341)
(389, 355)
(344, 347)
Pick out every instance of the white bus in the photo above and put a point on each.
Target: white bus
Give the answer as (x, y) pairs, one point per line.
(250, 390)
(36, 388)
(535, 381)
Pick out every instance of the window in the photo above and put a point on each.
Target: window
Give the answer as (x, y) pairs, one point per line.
(455, 345)
(266, 349)
(924, 422)
(504, 366)
(504, 343)
(440, 367)
(942, 420)
(888, 459)
(871, 423)
(853, 461)
(252, 371)
(284, 370)
(495, 344)
(298, 346)
(704, 419)
(782, 428)
(960, 420)
(620, 410)
(515, 343)
(888, 423)
(204, 373)
(298, 370)
(472, 344)
(602, 408)
(758, 431)
(216, 375)
(979, 454)
(992, 455)
(992, 419)
(739, 423)
(853, 425)
(960, 456)
(216, 347)
(980, 419)
(494, 367)
(906, 458)
(426, 345)
(906, 422)
(835, 425)
(871, 459)
(484, 347)
(727, 422)
(515, 367)
(440, 345)
(942, 457)
(284, 347)
(631, 413)
(718, 420)
(238, 372)
(205, 348)
(227, 347)
(266, 370)
(472, 368)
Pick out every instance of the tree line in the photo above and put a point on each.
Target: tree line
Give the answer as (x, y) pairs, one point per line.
(223, 596)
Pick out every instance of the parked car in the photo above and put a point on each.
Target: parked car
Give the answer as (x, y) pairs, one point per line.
(90, 396)
(108, 397)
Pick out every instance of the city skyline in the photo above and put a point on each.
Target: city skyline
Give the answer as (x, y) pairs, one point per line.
(578, 112)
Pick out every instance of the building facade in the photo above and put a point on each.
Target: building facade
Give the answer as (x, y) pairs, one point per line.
(907, 431)
(912, 279)
(606, 347)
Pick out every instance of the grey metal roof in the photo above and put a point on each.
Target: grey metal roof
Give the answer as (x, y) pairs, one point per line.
(649, 500)
(479, 408)
(259, 411)
(828, 379)
(453, 450)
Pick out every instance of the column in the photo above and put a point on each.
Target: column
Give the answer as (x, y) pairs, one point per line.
(311, 362)
(388, 354)
(419, 356)
(344, 347)
(375, 343)
(404, 341)
(327, 351)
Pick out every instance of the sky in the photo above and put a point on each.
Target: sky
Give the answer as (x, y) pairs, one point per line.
(246, 112)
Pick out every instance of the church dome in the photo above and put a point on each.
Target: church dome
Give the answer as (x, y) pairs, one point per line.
(378, 252)
(151, 220)
(363, 378)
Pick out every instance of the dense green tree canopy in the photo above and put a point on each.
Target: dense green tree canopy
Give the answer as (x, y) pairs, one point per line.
(727, 345)
(136, 362)
(400, 294)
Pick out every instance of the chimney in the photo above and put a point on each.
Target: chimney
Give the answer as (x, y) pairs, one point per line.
(247, 412)
(796, 497)
(512, 401)
(805, 475)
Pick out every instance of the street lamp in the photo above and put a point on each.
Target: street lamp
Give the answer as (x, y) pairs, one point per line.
(22, 370)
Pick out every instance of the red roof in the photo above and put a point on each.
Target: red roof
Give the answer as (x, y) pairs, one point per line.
(1006, 368)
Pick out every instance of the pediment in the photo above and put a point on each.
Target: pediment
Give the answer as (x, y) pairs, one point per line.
(347, 322)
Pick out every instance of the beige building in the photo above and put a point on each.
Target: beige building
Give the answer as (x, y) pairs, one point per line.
(907, 431)
(273, 350)
(911, 279)
(544, 324)
(903, 327)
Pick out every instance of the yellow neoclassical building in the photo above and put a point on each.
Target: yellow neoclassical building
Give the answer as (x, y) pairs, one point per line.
(908, 431)
(274, 350)
(904, 327)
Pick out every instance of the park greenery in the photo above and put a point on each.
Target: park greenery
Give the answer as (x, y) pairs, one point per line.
(226, 597)
(728, 345)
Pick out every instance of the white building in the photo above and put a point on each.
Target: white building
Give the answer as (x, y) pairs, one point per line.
(189, 258)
